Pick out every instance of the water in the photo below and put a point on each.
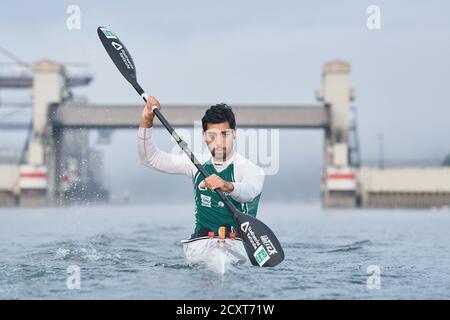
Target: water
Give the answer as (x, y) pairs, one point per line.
(133, 252)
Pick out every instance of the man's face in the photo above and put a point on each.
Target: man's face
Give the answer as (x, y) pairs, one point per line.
(219, 138)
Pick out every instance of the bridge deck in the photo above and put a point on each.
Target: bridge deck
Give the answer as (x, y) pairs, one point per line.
(128, 116)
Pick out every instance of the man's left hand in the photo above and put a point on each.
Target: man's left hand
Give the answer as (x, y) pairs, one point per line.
(214, 182)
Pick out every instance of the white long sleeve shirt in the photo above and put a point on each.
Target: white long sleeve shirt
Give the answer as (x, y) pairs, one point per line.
(249, 178)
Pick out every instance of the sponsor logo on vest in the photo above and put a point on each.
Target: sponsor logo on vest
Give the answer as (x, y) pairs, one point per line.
(220, 204)
(269, 245)
(261, 256)
(206, 201)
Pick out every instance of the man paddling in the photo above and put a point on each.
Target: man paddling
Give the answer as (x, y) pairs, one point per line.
(239, 178)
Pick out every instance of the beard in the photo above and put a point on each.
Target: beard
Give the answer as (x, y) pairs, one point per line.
(222, 154)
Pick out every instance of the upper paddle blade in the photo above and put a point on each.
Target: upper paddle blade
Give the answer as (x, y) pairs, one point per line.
(119, 54)
(261, 244)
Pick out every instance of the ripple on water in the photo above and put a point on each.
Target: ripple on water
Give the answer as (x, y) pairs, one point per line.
(176, 266)
(358, 245)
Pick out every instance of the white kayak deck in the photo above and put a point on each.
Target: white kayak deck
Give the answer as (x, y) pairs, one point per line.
(215, 253)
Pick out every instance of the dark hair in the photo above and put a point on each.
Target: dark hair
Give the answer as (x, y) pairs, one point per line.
(217, 114)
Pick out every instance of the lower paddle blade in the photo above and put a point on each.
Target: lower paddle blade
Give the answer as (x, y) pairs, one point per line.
(261, 244)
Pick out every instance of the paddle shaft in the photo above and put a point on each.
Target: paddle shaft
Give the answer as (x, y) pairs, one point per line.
(183, 145)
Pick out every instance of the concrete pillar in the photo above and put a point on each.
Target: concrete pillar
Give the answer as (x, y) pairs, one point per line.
(48, 87)
(336, 92)
(337, 95)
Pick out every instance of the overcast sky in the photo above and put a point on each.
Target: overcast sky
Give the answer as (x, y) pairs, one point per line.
(254, 52)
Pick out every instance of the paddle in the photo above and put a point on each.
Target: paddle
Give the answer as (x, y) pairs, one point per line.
(261, 244)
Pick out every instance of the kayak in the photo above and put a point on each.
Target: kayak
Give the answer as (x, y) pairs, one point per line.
(219, 254)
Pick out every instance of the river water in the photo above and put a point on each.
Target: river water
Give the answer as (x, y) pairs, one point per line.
(133, 252)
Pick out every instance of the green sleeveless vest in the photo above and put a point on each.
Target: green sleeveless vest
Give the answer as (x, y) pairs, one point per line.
(210, 211)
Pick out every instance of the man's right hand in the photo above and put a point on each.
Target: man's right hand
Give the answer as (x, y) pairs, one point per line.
(147, 114)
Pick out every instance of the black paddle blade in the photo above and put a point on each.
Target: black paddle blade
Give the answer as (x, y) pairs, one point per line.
(261, 244)
(119, 55)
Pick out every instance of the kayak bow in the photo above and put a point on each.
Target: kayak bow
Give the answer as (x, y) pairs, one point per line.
(215, 253)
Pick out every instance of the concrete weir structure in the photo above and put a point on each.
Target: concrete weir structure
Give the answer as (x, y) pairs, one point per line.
(416, 187)
(56, 149)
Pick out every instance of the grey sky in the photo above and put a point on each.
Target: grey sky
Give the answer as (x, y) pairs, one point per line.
(259, 52)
